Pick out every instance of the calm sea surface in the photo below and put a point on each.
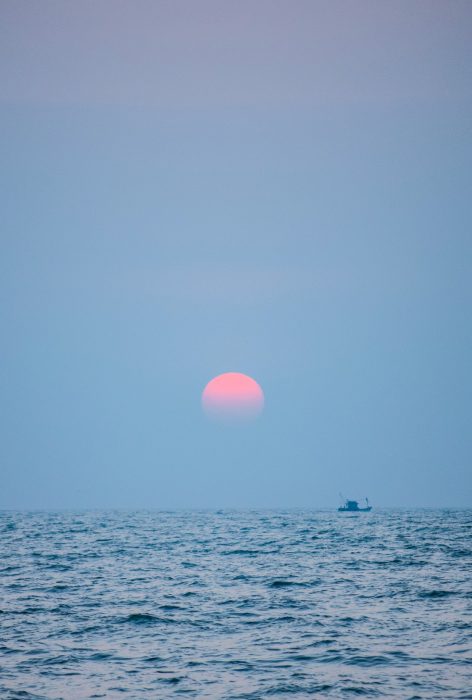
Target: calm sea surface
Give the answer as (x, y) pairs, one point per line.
(231, 604)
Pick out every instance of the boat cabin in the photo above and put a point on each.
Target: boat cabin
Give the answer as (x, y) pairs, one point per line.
(352, 505)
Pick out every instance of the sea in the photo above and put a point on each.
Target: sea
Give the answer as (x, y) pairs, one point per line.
(236, 604)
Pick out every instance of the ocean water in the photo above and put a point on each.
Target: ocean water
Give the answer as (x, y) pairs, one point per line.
(250, 604)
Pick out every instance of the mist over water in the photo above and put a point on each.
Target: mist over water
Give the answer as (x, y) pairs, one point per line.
(235, 604)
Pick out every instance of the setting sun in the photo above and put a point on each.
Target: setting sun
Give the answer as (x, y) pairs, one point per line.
(233, 395)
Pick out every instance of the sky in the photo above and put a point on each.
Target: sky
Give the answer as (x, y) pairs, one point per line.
(280, 188)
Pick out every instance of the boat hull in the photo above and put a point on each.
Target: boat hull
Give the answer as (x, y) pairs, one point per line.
(355, 510)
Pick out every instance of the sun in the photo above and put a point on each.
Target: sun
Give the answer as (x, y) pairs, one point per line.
(232, 396)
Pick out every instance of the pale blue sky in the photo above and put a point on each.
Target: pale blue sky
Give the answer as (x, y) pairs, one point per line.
(276, 188)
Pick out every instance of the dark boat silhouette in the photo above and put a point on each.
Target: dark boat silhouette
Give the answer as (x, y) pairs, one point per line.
(353, 507)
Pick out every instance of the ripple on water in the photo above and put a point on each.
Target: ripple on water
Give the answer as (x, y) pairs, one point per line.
(235, 605)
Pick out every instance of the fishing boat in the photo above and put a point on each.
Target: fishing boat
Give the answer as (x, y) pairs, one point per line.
(353, 507)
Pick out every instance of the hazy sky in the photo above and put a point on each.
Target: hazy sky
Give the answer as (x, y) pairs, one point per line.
(276, 188)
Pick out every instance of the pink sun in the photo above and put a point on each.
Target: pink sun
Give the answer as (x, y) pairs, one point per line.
(233, 396)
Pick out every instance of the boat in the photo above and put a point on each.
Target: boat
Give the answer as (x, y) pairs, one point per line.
(353, 507)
